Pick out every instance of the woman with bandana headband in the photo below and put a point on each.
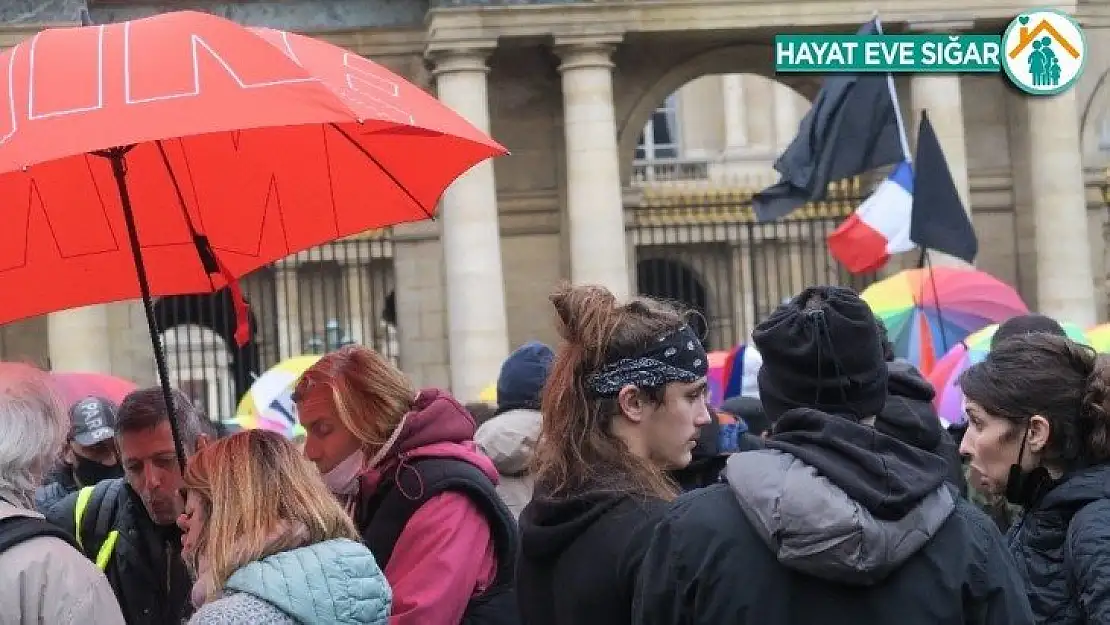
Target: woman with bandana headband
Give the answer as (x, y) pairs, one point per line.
(405, 465)
(622, 406)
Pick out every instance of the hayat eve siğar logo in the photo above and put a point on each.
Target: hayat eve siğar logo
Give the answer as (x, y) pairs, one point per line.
(1044, 52)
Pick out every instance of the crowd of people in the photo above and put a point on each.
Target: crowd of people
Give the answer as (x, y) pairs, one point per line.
(602, 488)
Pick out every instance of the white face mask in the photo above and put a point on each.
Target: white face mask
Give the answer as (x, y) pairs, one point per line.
(343, 479)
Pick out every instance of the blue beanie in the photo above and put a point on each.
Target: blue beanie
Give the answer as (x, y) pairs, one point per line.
(522, 377)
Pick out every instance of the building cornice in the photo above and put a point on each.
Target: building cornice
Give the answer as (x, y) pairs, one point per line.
(378, 42)
(648, 16)
(11, 35)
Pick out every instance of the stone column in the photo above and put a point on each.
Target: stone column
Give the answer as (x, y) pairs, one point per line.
(941, 96)
(736, 119)
(786, 117)
(1065, 280)
(477, 326)
(356, 285)
(288, 303)
(595, 207)
(79, 340)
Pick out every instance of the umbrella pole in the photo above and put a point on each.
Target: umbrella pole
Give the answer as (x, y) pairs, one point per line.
(119, 170)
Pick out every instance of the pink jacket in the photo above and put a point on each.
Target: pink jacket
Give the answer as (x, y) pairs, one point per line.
(433, 570)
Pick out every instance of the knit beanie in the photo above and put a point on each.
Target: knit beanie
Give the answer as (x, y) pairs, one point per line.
(522, 377)
(821, 350)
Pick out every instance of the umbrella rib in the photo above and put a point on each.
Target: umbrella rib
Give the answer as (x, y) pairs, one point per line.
(181, 203)
(386, 171)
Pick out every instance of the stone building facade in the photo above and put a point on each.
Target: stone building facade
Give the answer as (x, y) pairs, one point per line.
(568, 86)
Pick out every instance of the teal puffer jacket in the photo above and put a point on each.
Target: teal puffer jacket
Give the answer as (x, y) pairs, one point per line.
(336, 582)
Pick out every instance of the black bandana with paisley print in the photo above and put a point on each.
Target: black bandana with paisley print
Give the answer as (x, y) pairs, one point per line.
(675, 357)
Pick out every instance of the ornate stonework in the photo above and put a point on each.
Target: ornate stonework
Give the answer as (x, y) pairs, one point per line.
(26, 12)
(304, 16)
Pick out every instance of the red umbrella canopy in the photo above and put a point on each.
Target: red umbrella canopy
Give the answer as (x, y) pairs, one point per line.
(77, 386)
(235, 147)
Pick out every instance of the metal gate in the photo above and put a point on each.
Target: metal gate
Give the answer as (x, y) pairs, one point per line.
(703, 247)
(308, 303)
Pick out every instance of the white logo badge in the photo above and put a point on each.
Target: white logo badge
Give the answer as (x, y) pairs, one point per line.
(1044, 51)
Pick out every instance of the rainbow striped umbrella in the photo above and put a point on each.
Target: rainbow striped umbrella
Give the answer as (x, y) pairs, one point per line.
(1099, 337)
(927, 311)
(949, 400)
(269, 402)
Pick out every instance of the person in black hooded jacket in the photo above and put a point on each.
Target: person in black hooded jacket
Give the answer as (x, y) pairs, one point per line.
(835, 522)
(909, 415)
(622, 405)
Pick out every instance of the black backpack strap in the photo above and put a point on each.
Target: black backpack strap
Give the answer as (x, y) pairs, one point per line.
(18, 529)
(415, 483)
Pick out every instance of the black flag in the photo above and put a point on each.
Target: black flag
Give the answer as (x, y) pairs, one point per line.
(938, 220)
(850, 129)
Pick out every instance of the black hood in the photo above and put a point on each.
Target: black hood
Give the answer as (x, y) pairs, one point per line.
(548, 526)
(908, 414)
(1077, 489)
(884, 475)
(904, 380)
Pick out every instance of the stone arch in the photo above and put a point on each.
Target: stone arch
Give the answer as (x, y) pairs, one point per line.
(742, 58)
(215, 312)
(667, 278)
(1095, 111)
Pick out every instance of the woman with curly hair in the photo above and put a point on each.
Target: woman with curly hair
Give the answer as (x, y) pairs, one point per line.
(1038, 433)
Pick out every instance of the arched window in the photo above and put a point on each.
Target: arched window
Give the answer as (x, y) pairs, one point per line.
(1104, 135)
(659, 140)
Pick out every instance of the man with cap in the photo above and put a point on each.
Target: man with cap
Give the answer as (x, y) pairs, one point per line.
(90, 454)
(834, 522)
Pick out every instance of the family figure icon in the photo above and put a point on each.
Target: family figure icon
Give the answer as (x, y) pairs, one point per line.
(1044, 67)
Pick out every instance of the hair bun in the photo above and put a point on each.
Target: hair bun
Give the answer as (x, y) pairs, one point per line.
(1096, 412)
(586, 312)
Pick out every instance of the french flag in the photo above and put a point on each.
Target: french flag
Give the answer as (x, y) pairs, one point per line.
(879, 228)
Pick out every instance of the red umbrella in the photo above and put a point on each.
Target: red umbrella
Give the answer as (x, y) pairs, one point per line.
(176, 153)
(77, 386)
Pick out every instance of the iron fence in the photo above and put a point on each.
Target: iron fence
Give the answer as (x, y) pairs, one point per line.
(704, 248)
(308, 303)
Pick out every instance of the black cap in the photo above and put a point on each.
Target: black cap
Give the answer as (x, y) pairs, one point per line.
(94, 421)
(1021, 325)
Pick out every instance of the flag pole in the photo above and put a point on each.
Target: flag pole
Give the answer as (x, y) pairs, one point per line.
(902, 136)
(924, 262)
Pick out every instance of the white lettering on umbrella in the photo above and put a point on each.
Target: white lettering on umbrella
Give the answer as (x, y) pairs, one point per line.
(366, 84)
(11, 96)
(196, 43)
(97, 98)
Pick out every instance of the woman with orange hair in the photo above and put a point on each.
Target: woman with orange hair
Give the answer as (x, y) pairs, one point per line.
(405, 465)
(622, 406)
(269, 545)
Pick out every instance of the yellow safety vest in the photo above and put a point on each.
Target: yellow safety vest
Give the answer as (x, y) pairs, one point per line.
(109, 544)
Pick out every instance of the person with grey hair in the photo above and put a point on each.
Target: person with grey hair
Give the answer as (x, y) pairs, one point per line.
(128, 525)
(43, 578)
